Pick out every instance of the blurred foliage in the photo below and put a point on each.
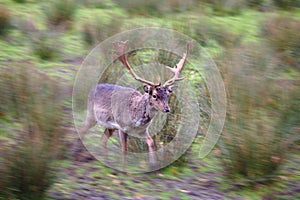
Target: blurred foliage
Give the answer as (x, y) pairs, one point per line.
(223, 8)
(263, 100)
(282, 32)
(98, 28)
(61, 13)
(253, 146)
(155, 7)
(31, 99)
(287, 4)
(100, 4)
(46, 45)
(206, 32)
(136, 7)
(5, 16)
(20, 1)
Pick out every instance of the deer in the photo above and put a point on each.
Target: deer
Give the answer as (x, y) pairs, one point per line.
(126, 109)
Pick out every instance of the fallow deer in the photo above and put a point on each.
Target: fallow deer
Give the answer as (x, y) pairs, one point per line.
(126, 109)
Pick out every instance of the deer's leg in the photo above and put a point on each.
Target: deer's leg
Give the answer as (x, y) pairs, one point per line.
(79, 150)
(88, 123)
(150, 143)
(103, 141)
(123, 140)
(152, 156)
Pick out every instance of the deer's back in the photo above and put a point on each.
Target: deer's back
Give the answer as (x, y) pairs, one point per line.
(112, 105)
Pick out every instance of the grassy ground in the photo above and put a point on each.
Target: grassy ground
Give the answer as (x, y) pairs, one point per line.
(89, 179)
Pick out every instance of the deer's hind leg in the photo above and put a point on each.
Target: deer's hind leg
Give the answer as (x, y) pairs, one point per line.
(151, 148)
(90, 119)
(89, 122)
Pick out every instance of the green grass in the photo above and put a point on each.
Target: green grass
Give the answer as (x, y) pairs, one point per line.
(16, 48)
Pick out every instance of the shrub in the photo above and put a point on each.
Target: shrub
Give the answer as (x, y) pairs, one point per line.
(20, 1)
(252, 144)
(178, 6)
(27, 160)
(46, 45)
(136, 7)
(262, 5)
(4, 20)
(61, 13)
(204, 31)
(223, 8)
(282, 33)
(99, 29)
(103, 4)
(287, 4)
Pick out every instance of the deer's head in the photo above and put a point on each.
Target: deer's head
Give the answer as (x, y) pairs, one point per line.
(159, 94)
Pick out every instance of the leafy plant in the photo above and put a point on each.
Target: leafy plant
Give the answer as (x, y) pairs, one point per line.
(27, 162)
(287, 4)
(61, 13)
(223, 8)
(20, 1)
(136, 7)
(102, 4)
(282, 33)
(4, 20)
(252, 146)
(46, 45)
(99, 29)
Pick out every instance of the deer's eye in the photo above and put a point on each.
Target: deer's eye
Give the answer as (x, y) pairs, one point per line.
(154, 96)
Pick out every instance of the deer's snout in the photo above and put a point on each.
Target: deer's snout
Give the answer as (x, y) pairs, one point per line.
(167, 109)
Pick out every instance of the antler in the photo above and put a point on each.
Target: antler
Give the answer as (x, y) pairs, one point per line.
(120, 50)
(178, 67)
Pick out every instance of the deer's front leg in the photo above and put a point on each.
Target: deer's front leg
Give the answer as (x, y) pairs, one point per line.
(152, 156)
(150, 143)
(123, 140)
(103, 141)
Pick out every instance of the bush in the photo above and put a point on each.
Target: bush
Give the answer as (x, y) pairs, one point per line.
(61, 13)
(287, 4)
(20, 1)
(102, 4)
(262, 5)
(136, 7)
(4, 20)
(223, 8)
(27, 160)
(282, 33)
(252, 144)
(99, 29)
(204, 31)
(46, 45)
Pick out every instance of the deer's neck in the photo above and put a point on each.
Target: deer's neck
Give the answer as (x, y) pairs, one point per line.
(142, 111)
(149, 110)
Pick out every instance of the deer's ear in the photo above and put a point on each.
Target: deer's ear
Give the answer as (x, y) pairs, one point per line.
(172, 88)
(147, 88)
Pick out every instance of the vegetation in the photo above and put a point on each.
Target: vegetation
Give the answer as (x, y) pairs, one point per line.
(4, 19)
(252, 140)
(61, 13)
(282, 33)
(255, 44)
(27, 163)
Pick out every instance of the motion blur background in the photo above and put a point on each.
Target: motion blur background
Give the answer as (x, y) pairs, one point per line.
(256, 45)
